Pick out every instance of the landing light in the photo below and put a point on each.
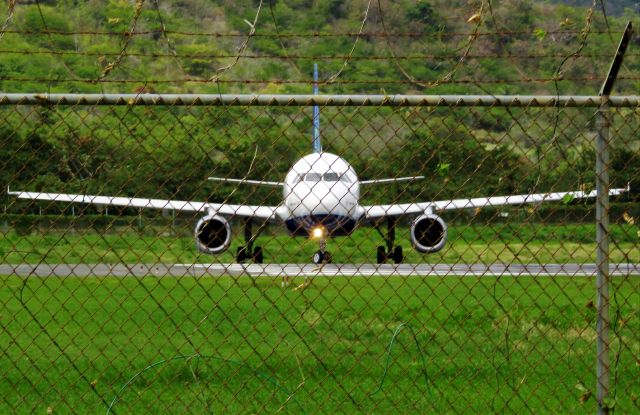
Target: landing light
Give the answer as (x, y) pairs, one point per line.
(317, 233)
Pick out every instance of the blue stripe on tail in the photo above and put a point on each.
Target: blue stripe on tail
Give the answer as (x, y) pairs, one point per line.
(317, 145)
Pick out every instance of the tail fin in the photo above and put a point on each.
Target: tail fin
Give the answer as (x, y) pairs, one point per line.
(317, 145)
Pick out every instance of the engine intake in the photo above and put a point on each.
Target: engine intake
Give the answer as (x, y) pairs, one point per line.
(428, 233)
(213, 234)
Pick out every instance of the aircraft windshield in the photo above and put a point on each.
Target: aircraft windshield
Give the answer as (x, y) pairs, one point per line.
(313, 177)
(330, 177)
(326, 177)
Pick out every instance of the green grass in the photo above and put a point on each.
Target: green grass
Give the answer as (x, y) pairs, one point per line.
(504, 345)
(499, 242)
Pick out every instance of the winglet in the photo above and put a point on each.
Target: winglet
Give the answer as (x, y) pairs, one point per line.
(628, 188)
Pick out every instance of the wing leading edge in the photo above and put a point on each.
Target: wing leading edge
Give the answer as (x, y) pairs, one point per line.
(379, 211)
(262, 212)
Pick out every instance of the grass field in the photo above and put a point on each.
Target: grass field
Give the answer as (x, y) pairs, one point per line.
(500, 242)
(481, 344)
(505, 345)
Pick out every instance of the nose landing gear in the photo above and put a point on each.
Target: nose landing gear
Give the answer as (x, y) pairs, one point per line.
(322, 256)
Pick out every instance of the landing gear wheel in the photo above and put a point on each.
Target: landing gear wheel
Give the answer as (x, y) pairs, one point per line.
(257, 255)
(241, 254)
(322, 258)
(397, 255)
(381, 256)
(318, 257)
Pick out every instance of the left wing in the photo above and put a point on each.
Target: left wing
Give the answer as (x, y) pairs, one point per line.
(246, 181)
(379, 211)
(262, 212)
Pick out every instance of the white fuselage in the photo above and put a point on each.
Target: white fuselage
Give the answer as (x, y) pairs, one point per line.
(321, 191)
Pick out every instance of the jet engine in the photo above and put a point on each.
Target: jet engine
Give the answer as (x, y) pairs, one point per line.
(428, 233)
(213, 234)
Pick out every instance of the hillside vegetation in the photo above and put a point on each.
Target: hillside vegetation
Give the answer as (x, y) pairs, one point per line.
(466, 47)
(62, 44)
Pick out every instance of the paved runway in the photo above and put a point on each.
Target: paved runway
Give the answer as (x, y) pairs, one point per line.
(311, 270)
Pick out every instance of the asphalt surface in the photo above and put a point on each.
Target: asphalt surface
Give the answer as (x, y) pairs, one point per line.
(311, 270)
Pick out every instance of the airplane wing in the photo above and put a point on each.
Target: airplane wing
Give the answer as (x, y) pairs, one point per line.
(379, 211)
(392, 180)
(262, 212)
(246, 181)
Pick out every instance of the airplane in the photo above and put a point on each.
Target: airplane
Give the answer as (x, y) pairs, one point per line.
(321, 195)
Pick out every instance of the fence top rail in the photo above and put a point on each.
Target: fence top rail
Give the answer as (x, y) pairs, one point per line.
(324, 100)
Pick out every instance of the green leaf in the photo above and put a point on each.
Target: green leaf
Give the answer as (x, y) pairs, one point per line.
(540, 34)
(609, 403)
(443, 168)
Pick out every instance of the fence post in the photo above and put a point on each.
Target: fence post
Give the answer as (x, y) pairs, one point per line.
(602, 224)
(602, 254)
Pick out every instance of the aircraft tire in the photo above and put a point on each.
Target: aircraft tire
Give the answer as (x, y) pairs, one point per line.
(398, 256)
(318, 257)
(241, 254)
(257, 255)
(381, 256)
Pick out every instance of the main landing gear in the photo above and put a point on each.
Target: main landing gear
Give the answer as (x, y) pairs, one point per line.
(248, 252)
(322, 256)
(391, 252)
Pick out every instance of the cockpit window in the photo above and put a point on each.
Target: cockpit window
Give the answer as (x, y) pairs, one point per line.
(313, 177)
(345, 178)
(330, 177)
(326, 177)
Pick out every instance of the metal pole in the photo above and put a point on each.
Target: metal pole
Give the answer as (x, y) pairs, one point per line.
(602, 225)
(310, 100)
(602, 255)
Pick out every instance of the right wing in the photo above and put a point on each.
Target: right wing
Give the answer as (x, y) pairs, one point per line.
(392, 180)
(379, 211)
(262, 212)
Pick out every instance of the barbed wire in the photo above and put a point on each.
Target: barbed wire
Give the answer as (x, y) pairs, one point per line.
(335, 76)
(449, 75)
(386, 34)
(510, 57)
(127, 39)
(170, 47)
(299, 34)
(221, 71)
(282, 46)
(50, 40)
(11, 6)
(307, 82)
(559, 74)
(174, 55)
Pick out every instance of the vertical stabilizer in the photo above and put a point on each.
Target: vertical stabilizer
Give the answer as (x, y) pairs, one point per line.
(317, 146)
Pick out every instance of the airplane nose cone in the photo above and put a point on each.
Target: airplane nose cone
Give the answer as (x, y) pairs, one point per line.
(322, 199)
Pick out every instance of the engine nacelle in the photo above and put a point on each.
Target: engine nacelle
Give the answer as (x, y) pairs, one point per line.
(213, 234)
(428, 233)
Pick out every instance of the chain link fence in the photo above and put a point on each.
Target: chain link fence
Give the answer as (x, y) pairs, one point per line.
(109, 307)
